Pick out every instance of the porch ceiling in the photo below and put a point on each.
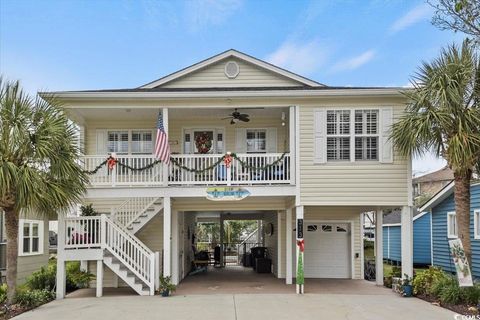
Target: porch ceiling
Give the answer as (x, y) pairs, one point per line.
(124, 113)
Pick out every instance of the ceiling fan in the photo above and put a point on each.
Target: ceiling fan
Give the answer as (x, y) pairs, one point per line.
(236, 116)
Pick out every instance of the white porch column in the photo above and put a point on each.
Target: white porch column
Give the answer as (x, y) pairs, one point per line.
(84, 265)
(299, 225)
(165, 128)
(175, 249)
(222, 235)
(291, 142)
(288, 246)
(99, 278)
(379, 247)
(407, 241)
(167, 235)
(61, 276)
(280, 248)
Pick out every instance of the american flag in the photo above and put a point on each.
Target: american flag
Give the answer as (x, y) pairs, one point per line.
(162, 148)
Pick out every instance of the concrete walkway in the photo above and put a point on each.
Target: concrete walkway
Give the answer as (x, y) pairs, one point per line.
(241, 307)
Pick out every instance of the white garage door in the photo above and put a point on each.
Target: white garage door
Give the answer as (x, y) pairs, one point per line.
(327, 250)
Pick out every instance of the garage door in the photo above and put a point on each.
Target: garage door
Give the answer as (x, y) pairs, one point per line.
(327, 250)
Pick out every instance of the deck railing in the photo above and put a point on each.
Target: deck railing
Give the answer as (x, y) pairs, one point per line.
(245, 169)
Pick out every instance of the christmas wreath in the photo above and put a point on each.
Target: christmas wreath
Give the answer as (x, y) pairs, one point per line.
(203, 143)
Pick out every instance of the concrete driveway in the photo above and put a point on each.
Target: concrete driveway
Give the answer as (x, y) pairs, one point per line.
(241, 307)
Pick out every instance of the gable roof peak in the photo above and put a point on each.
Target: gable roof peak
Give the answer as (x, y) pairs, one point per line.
(239, 55)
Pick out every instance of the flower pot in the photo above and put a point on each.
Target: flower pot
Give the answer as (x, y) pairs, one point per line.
(407, 291)
(165, 293)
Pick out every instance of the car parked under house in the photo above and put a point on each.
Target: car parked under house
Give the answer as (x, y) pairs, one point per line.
(308, 151)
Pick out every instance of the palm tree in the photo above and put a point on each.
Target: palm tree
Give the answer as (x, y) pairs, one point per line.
(443, 116)
(39, 170)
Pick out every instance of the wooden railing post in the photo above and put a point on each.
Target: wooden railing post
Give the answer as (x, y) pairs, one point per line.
(103, 231)
(113, 174)
(153, 280)
(157, 270)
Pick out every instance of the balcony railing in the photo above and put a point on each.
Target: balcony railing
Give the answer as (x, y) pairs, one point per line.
(245, 169)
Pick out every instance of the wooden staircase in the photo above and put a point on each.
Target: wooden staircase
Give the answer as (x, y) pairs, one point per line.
(135, 213)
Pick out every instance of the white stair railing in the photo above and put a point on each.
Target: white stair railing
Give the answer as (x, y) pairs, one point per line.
(131, 252)
(100, 232)
(132, 209)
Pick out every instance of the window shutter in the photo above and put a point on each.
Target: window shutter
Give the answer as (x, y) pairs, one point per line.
(102, 142)
(272, 140)
(240, 140)
(386, 146)
(320, 140)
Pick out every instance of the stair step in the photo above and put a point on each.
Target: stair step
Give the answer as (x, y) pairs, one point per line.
(137, 221)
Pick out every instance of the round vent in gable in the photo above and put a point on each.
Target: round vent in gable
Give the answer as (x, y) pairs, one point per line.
(232, 69)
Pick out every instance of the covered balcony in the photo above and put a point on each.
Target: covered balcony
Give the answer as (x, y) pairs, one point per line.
(208, 147)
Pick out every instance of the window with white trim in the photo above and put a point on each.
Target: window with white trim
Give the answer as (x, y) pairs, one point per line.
(452, 225)
(117, 142)
(30, 235)
(256, 141)
(338, 135)
(476, 223)
(366, 135)
(142, 141)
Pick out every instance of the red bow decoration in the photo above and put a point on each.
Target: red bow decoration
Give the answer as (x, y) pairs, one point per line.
(111, 162)
(301, 244)
(227, 159)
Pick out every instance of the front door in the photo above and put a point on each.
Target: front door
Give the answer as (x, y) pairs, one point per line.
(203, 141)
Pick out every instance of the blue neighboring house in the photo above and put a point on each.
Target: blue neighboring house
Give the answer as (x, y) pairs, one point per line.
(422, 253)
(444, 227)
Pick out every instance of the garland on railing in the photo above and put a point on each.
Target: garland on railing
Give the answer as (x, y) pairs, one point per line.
(226, 159)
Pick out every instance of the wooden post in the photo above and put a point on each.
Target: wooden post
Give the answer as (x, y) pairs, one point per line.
(379, 247)
(61, 276)
(407, 241)
(300, 280)
(175, 249)
(279, 243)
(99, 277)
(157, 270)
(291, 143)
(288, 246)
(165, 166)
(167, 235)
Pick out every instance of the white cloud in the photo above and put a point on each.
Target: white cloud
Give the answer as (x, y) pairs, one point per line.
(413, 16)
(355, 62)
(202, 13)
(303, 58)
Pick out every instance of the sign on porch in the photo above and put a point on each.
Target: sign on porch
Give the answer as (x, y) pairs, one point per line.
(227, 193)
(461, 263)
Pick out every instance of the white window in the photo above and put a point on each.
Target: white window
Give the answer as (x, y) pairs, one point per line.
(476, 223)
(366, 135)
(142, 141)
(117, 142)
(256, 141)
(31, 237)
(452, 225)
(355, 134)
(338, 135)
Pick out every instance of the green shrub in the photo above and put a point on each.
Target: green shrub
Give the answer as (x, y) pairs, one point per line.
(396, 272)
(440, 284)
(423, 280)
(3, 293)
(451, 293)
(44, 279)
(76, 278)
(471, 295)
(33, 298)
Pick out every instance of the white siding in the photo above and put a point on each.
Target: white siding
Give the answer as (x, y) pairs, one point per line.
(214, 76)
(348, 183)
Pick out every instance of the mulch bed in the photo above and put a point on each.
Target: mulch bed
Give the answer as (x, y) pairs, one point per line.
(13, 311)
(462, 309)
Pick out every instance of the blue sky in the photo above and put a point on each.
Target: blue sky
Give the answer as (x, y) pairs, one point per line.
(73, 45)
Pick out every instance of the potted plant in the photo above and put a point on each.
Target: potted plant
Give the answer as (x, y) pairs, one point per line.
(166, 286)
(407, 289)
